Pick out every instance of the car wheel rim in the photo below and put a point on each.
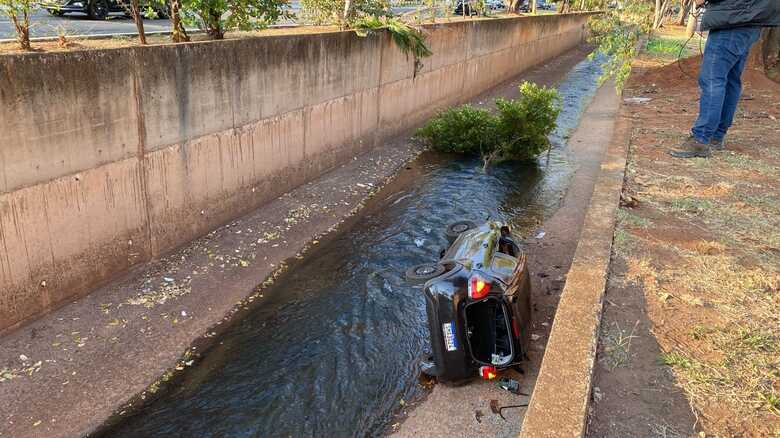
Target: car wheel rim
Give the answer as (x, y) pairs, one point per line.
(459, 228)
(425, 270)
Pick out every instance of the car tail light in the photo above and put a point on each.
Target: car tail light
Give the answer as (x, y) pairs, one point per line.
(488, 373)
(515, 328)
(478, 287)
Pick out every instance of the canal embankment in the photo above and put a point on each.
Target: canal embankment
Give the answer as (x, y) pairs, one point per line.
(116, 157)
(72, 368)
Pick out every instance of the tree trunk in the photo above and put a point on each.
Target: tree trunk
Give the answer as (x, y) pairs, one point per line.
(532, 4)
(660, 11)
(685, 8)
(214, 26)
(691, 27)
(765, 54)
(347, 13)
(178, 33)
(22, 30)
(139, 21)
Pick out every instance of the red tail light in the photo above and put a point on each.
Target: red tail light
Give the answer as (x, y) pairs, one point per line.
(488, 373)
(478, 287)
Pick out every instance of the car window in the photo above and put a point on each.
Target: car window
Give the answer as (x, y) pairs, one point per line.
(503, 266)
(468, 246)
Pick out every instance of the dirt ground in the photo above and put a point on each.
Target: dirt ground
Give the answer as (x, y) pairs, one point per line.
(689, 337)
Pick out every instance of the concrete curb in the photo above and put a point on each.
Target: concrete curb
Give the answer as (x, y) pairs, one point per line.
(108, 36)
(560, 401)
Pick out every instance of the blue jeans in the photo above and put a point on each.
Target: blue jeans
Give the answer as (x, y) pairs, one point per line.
(720, 80)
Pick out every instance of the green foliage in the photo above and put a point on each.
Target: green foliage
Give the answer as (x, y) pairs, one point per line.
(462, 130)
(518, 130)
(615, 33)
(19, 11)
(218, 16)
(526, 122)
(409, 39)
(337, 12)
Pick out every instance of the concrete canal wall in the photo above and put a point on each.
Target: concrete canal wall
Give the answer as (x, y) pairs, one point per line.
(109, 158)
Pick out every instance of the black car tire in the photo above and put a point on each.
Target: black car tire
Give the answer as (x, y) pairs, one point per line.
(56, 12)
(424, 272)
(97, 9)
(456, 229)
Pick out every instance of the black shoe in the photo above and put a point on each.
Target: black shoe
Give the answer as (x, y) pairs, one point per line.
(691, 148)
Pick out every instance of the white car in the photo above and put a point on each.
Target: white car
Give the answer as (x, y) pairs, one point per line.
(495, 4)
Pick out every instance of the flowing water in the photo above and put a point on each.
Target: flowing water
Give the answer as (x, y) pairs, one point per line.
(335, 345)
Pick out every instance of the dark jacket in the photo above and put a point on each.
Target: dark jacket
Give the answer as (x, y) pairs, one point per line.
(724, 14)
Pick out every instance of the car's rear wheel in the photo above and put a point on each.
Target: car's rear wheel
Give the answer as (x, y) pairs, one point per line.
(97, 9)
(424, 272)
(456, 229)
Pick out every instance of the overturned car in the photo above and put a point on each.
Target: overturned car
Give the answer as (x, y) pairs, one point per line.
(478, 303)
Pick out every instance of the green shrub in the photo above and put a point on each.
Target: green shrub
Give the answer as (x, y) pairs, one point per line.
(462, 130)
(408, 39)
(518, 130)
(526, 121)
(339, 13)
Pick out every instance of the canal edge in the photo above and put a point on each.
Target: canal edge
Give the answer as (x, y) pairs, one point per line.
(562, 411)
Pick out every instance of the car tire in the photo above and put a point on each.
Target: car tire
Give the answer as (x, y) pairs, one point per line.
(55, 12)
(456, 229)
(424, 272)
(97, 9)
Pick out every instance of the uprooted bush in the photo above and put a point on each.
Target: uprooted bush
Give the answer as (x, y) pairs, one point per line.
(518, 130)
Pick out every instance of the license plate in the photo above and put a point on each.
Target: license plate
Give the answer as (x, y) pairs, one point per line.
(450, 341)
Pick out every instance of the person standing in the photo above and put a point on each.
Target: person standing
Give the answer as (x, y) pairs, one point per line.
(734, 26)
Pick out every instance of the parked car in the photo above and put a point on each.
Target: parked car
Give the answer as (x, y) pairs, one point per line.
(540, 5)
(495, 4)
(466, 7)
(478, 301)
(99, 9)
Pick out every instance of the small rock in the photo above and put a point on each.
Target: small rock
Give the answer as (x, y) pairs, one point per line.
(535, 337)
(597, 394)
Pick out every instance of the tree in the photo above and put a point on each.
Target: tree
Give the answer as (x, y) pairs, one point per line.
(133, 8)
(342, 12)
(616, 32)
(661, 6)
(685, 8)
(19, 12)
(218, 16)
(518, 131)
(178, 32)
(765, 54)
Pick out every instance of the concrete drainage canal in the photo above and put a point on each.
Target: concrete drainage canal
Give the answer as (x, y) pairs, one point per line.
(336, 344)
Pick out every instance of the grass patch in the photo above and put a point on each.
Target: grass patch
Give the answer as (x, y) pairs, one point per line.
(626, 217)
(616, 343)
(622, 241)
(670, 47)
(742, 161)
(675, 359)
(691, 205)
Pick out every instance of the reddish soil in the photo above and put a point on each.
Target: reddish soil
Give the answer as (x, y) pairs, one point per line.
(689, 341)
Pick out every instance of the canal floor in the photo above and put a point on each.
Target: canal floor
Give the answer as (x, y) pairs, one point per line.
(334, 348)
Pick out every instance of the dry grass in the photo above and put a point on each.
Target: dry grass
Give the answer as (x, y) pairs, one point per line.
(705, 247)
(616, 346)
